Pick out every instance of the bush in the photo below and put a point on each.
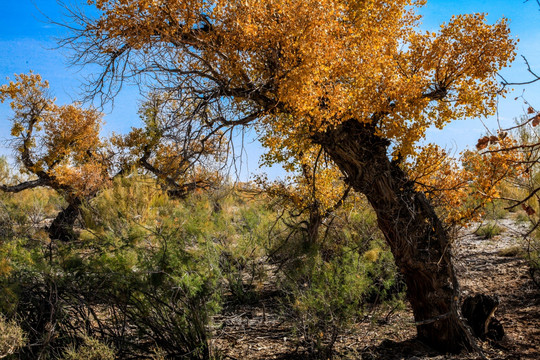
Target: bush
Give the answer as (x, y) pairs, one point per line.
(135, 283)
(328, 301)
(158, 271)
(331, 283)
(90, 349)
(489, 230)
(242, 248)
(11, 337)
(165, 295)
(331, 295)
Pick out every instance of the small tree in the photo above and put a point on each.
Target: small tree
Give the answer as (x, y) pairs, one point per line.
(181, 154)
(60, 147)
(311, 194)
(57, 147)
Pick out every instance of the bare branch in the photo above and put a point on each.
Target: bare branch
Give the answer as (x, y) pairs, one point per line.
(536, 77)
(24, 186)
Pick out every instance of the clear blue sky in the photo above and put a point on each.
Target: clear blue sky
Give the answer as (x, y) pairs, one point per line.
(27, 42)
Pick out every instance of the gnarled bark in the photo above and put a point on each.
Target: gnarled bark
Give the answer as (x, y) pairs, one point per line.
(420, 244)
(62, 226)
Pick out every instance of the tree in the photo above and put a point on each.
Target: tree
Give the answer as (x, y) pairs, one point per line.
(57, 146)
(60, 147)
(181, 154)
(354, 77)
(311, 194)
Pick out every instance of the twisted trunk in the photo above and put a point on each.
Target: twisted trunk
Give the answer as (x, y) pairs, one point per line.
(62, 226)
(419, 242)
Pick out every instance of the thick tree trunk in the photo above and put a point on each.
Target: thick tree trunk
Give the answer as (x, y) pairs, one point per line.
(62, 226)
(420, 244)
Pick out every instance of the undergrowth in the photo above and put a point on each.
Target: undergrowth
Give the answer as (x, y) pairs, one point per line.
(489, 230)
(147, 274)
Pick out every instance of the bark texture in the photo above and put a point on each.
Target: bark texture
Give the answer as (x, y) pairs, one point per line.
(62, 226)
(419, 242)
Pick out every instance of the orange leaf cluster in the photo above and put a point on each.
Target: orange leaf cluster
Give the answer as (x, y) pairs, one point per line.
(58, 144)
(460, 187)
(485, 141)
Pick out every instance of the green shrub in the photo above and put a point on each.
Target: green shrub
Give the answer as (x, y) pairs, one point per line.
(330, 283)
(242, 249)
(329, 299)
(159, 273)
(329, 296)
(489, 230)
(142, 277)
(132, 298)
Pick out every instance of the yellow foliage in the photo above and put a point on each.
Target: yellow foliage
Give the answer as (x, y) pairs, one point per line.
(460, 187)
(314, 185)
(169, 148)
(372, 255)
(306, 66)
(59, 144)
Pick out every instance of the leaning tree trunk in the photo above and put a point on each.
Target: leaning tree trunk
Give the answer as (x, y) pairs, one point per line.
(420, 244)
(62, 226)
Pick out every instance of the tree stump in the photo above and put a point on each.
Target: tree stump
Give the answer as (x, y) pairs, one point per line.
(479, 310)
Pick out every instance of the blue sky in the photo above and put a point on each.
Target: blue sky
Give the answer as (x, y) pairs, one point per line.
(27, 42)
(524, 25)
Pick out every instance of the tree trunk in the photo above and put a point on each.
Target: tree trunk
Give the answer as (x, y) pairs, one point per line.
(62, 226)
(419, 242)
(314, 223)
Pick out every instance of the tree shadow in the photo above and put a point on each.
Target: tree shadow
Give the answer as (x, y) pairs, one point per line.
(407, 349)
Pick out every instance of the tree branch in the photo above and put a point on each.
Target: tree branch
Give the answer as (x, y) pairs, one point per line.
(23, 186)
